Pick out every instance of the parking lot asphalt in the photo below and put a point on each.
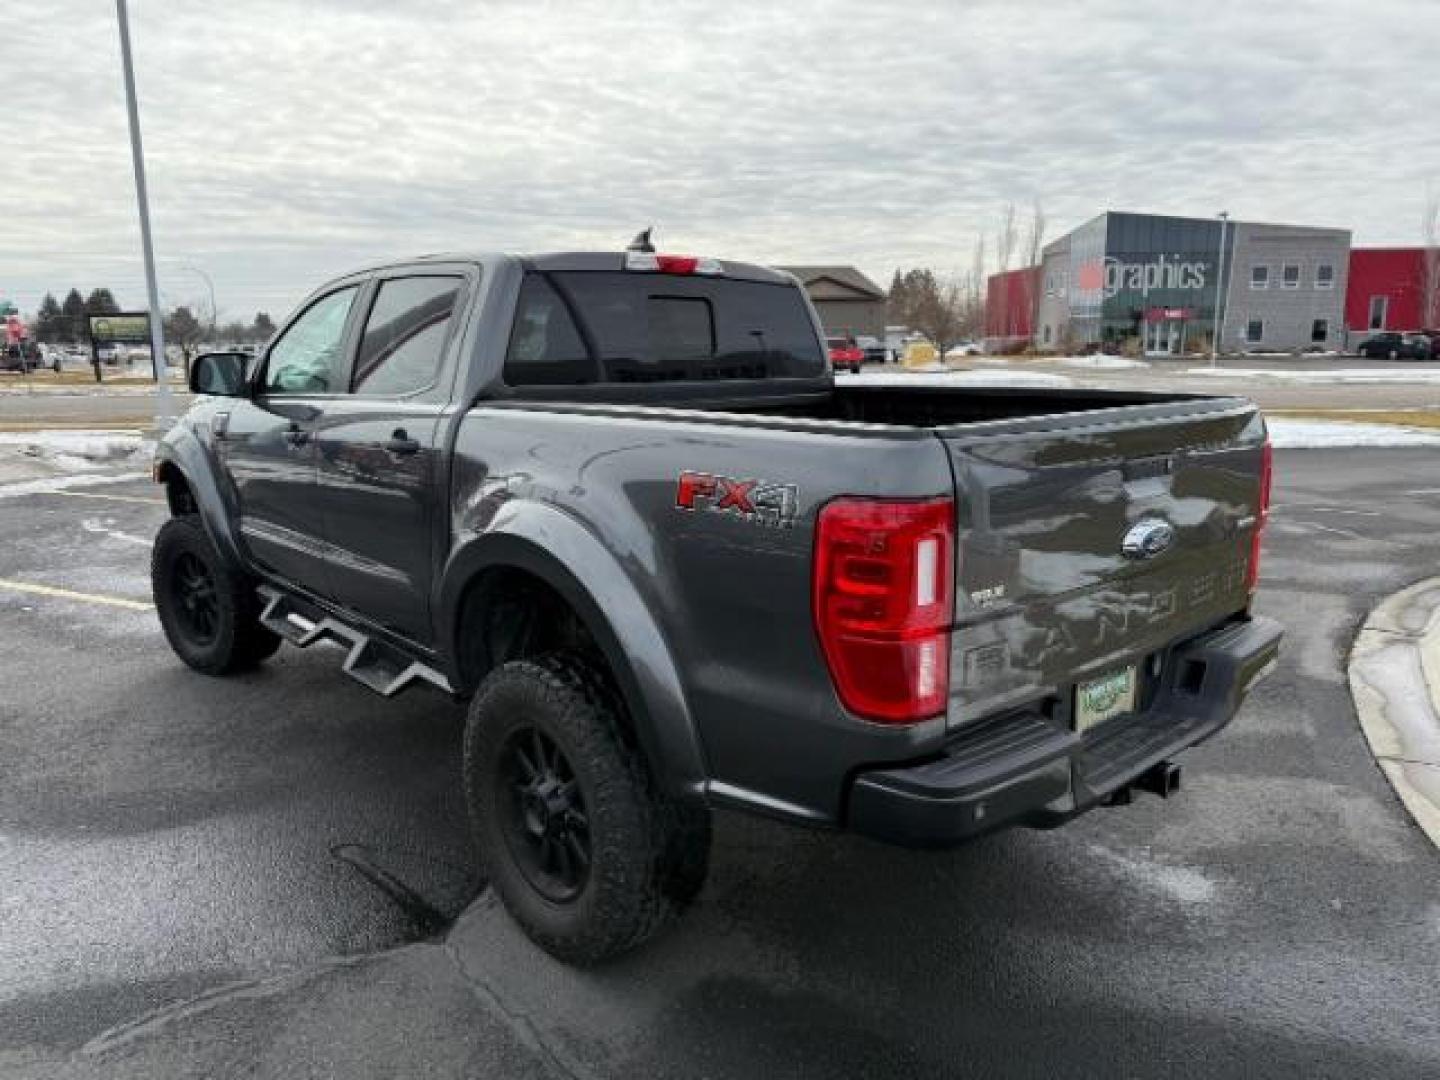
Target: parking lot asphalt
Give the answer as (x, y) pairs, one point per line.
(270, 875)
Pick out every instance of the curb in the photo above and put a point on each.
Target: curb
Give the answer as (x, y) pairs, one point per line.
(1394, 675)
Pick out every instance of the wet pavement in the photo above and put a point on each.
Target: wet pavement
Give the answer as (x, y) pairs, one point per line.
(271, 876)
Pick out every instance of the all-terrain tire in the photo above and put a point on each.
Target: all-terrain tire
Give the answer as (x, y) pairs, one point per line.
(230, 637)
(648, 853)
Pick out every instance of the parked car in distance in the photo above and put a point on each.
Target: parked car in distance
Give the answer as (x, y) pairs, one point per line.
(845, 354)
(962, 350)
(1393, 345)
(22, 356)
(873, 348)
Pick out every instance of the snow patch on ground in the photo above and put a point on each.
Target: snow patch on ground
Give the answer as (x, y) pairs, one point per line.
(1288, 434)
(1421, 375)
(938, 376)
(78, 451)
(103, 527)
(66, 483)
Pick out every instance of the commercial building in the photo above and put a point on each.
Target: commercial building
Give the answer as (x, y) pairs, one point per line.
(1010, 308)
(1156, 283)
(849, 303)
(1392, 289)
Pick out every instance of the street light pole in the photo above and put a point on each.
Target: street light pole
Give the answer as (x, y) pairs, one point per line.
(211, 286)
(163, 410)
(1219, 289)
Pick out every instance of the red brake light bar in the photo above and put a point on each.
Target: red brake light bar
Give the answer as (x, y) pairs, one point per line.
(672, 264)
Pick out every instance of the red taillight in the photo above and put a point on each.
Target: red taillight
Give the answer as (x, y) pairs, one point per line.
(1262, 515)
(884, 598)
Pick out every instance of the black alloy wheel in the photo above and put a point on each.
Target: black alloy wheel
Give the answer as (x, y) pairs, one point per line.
(209, 610)
(546, 825)
(197, 604)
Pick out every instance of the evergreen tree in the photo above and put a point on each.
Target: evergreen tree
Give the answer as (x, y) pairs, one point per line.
(50, 324)
(183, 329)
(263, 329)
(72, 313)
(101, 302)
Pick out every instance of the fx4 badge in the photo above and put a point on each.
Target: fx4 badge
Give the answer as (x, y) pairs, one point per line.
(760, 501)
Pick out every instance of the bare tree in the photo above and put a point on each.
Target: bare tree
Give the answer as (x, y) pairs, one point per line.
(1430, 261)
(1035, 234)
(936, 307)
(1034, 253)
(1005, 238)
(977, 287)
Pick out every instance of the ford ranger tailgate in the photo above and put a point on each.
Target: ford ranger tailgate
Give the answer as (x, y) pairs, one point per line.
(1090, 542)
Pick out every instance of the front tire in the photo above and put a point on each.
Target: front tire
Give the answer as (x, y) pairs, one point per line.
(588, 855)
(210, 613)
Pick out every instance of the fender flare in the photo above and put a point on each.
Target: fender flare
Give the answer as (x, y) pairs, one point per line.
(182, 452)
(550, 544)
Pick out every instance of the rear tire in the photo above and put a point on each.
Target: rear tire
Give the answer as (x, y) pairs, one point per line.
(209, 612)
(588, 855)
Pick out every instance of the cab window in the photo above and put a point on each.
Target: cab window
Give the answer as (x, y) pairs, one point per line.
(309, 357)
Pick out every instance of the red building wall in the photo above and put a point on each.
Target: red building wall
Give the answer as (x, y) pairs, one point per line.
(1395, 273)
(1010, 303)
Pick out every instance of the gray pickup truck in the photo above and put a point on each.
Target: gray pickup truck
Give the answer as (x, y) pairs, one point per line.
(619, 504)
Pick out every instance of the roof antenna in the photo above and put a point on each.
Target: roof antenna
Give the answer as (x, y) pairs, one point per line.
(642, 242)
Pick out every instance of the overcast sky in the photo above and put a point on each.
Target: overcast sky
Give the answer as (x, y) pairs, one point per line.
(290, 141)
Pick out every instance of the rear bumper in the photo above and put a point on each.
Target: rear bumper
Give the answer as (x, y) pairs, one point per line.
(1022, 768)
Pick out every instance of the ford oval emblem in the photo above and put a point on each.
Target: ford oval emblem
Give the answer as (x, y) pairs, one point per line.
(1147, 538)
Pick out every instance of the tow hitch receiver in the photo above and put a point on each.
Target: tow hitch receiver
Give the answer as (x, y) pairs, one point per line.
(1162, 780)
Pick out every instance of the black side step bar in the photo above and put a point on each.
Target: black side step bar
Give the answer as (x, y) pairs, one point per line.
(378, 664)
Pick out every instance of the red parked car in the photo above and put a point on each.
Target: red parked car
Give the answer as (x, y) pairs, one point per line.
(845, 354)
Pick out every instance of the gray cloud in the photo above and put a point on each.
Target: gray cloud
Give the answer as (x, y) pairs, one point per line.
(289, 141)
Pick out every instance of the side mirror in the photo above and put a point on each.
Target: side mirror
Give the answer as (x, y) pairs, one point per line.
(220, 374)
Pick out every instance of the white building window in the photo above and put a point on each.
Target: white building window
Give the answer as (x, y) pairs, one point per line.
(1290, 276)
(1255, 331)
(1379, 308)
(1325, 276)
(1259, 277)
(1320, 331)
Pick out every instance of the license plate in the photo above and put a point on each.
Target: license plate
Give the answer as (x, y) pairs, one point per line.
(1104, 698)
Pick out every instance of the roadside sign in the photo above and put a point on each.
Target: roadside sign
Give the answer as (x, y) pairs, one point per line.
(126, 328)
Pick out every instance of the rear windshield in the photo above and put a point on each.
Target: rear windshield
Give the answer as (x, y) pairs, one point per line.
(587, 327)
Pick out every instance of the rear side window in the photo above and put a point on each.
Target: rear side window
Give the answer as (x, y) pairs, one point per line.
(404, 336)
(587, 327)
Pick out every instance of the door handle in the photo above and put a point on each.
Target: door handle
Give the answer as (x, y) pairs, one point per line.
(401, 443)
(295, 435)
